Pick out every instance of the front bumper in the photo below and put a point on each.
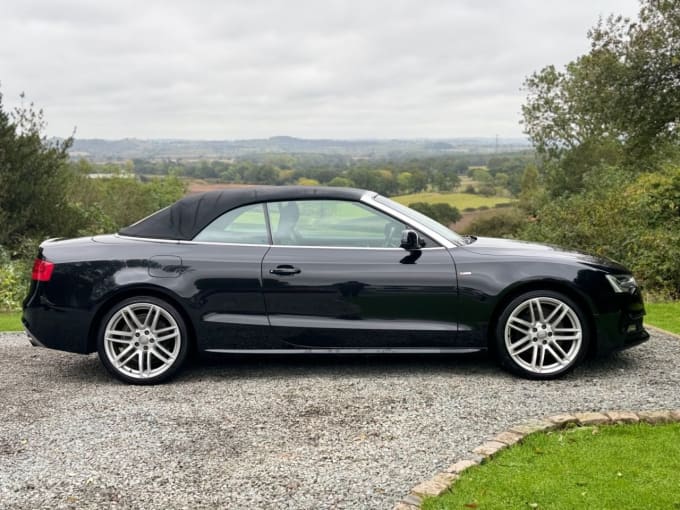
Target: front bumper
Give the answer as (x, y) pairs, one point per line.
(623, 328)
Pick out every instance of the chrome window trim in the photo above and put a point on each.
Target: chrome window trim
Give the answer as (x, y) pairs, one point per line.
(352, 247)
(210, 243)
(368, 198)
(215, 243)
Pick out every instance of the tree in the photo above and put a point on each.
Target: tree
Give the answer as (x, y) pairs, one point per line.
(405, 181)
(480, 174)
(618, 102)
(501, 180)
(260, 174)
(446, 180)
(530, 187)
(341, 182)
(34, 179)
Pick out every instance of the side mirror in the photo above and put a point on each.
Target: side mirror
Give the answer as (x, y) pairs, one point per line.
(410, 240)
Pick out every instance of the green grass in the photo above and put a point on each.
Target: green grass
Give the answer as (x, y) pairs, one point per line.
(613, 467)
(10, 321)
(664, 315)
(459, 200)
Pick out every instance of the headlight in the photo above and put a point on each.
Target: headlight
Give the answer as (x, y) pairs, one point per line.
(622, 283)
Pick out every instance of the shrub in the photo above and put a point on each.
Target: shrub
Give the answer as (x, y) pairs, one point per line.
(442, 212)
(14, 282)
(501, 224)
(635, 221)
(487, 190)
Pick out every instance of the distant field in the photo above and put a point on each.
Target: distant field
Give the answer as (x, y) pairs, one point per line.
(459, 200)
(200, 186)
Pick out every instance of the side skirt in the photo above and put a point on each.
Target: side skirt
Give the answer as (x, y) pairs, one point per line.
(434, 350)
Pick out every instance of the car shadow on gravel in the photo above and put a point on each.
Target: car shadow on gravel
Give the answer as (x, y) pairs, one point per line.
(229, 367)
(263, 365)
(283, 366)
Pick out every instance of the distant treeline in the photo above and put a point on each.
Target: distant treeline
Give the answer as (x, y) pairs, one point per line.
(389, 176)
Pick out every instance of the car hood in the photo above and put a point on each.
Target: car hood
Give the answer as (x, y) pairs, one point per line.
(491, 246)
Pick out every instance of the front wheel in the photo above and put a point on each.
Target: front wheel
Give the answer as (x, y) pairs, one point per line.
(142, 340)
(542, 335)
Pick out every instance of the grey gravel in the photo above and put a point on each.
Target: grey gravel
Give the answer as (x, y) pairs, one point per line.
(267, 432)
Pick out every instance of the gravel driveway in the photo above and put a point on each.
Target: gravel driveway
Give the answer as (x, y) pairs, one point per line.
(266, 432)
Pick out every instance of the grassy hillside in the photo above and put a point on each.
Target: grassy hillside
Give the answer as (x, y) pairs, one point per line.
(459, 200)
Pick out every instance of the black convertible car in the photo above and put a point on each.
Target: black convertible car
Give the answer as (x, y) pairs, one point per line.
(321, 270)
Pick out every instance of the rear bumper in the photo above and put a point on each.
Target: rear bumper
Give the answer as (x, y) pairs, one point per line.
(31, 338)
(57, 328)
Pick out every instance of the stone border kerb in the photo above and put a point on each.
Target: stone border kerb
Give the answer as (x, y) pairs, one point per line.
(442, 482)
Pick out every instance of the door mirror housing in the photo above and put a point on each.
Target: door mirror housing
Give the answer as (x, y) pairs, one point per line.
(410, 240)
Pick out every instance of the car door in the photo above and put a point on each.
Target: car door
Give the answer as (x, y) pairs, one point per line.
(223, 280)
(336, 277)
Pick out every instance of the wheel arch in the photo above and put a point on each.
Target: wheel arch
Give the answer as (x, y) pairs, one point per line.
(563, 286)
(139, 290)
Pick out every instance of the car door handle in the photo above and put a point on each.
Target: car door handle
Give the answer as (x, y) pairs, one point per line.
(285, 270)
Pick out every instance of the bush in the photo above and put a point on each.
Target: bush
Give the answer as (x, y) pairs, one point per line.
(106, 205)
(441, 212)
(501, 224)
(14, 280)
(487, 190)
(635, 221)
(342, 182)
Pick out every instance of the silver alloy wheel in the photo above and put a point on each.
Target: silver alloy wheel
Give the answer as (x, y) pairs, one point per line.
(142, 340)
(543, 335)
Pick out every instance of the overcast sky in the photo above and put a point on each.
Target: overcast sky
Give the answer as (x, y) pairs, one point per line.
(228, 69)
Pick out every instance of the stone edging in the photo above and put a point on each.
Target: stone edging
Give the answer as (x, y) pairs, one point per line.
(442, 482)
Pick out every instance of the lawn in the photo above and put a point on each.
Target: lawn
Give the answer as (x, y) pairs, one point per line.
(460, 200)
(10, 321)
(664, 315)
(612, 467)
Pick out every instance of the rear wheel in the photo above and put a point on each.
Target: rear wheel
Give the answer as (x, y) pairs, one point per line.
(542, 335)
(143, 340)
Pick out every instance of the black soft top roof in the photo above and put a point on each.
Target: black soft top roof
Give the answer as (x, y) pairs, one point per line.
(184, 219)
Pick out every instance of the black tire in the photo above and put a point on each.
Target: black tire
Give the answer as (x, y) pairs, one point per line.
(521, 362)
(180, 345)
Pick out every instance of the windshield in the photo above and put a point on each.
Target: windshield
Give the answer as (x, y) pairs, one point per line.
(426, 221)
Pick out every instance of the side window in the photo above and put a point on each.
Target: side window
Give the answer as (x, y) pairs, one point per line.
(332, 223)
(246, 225)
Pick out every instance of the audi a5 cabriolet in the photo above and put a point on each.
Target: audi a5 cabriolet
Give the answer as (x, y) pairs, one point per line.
(321, 270)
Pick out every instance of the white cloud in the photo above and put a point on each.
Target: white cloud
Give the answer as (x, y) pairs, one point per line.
(242, 69)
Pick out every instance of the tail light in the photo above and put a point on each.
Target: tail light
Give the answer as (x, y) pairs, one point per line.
(42, 270)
